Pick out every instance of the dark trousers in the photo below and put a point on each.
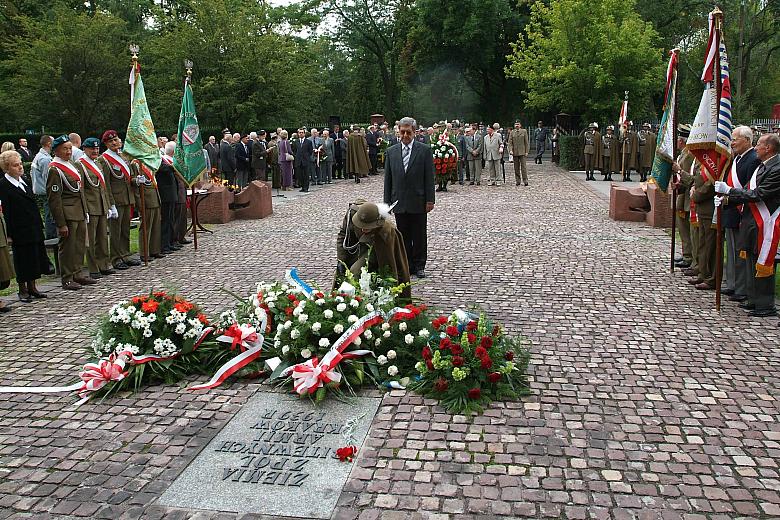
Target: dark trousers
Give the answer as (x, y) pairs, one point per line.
(302, 175)
(761, 291)
(414, 228)
(339, 167)
(166, 224)
(180, 222)
(315, 173)
(373, 159)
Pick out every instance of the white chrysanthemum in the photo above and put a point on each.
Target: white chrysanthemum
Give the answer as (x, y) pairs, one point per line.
(338, 328)
(386, 334)
(287, 324)
(409, 339)
(306, 353)
(341, 307)
(316, 326)
(130, 309)
(297, 311)
(377, 342)
(303, 318)
(279, 326)
(424, 333)
(385, 326)
(277, 343)
(357, 341)
(368, 334)
(271, 305)
(324, 342)
(382, 360)
(339, 299)
(392, 370)
(391, 354)
(151, 318)
(285, 349)
(328, 314)
(352, 318)
(180, 328)
(295, 334)
(355, 303)
(402, 326)
(369, 307)
(319, 301)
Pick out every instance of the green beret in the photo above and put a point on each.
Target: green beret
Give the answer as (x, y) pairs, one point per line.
(58, 141)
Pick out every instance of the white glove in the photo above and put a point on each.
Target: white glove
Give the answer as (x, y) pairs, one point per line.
(140, 180)
(86, 218)
(718, 201)
(722, 187)
(112, 212)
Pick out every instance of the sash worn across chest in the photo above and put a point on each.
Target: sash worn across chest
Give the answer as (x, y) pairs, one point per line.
(768, 232)
(66, 170)
(87, 162)
(116, 161)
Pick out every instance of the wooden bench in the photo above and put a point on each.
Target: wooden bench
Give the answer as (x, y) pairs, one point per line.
(52, 244)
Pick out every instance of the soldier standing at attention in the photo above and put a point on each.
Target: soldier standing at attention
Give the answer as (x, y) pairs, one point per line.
(116, 169)
(629, 151)
(683, 181)
(145, 181)
(592, 150)
(610, 159)
(646, 140)
(65, 192)
(518, 146)
(540, 137)
(100, 208)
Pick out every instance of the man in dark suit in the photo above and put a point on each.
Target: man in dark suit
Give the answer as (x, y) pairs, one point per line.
(302, 149)
(372, 138)
(25, 152)
(742, 167)
(212, 149)
(227, 159)
(243, 158)
(259, 150)
(169, 195)
(409, 183)
(762, 202)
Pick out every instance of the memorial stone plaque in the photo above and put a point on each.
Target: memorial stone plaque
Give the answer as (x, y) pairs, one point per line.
(277, 456)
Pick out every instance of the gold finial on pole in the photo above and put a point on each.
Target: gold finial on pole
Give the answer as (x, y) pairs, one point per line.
(134, 52)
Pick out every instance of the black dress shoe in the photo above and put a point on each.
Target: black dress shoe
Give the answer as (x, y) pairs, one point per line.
(683, 265)
(526, 184)
(727, 292)
(95, 276)
(121, 266)
(132, 262)
(746, 305)
(24, 297)
(420, 273)
(762, 313)
(106, 272)
(737, 298)
(37, 294)
(185, 241)
(176, 247)
(158, 255)
(4, 308)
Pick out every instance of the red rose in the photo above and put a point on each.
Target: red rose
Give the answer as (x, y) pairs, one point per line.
(346, 453)
(456, 349)
(471, 337)
(441, 385)
(480, 352)
(291, 297)
(445, 343)
(486, 362)
(358, 298)
(472, 326)
(452, 330)
(429, 364)
(288, 311)
(426, 352)
(319, 295)
(475, 393)
(486, 342)
(494, 377)
(150, 306)
(509, 356)
(457, 361)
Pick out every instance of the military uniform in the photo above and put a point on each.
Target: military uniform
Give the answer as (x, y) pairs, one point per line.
(99, 201)
(629, 152)
(686, 162)
(591, 141)
(65, 192)
(151, 215)
(610, 157)
(117, 173)
(646, 140)
(519, 146)
(703, 197)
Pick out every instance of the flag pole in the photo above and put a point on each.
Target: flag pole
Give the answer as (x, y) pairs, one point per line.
(718, 15)
(623, 131)
(193, 197)
(674, 155)
(145, 250)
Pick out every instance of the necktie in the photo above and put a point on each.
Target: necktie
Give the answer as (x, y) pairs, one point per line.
(406, 155)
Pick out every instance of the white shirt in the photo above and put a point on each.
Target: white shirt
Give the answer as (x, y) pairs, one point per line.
(19, 183)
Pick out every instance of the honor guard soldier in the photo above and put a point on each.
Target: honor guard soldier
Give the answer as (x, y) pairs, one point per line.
(646, 139)
(65, 193)
(683, 168)
(100, 207)
(610, 158)
(592, 150)
(146, 183)
(629, 150)
(117, 172)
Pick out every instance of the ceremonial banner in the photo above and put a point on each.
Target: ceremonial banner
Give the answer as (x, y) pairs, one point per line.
(623, 114)
(141, 140)
(710, 140)
(188, 158)
(664, 151)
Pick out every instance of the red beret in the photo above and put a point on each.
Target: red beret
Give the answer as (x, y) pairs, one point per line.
(108, 135)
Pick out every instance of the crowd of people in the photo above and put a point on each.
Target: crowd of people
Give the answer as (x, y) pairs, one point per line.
(89, 199)
(749, 199)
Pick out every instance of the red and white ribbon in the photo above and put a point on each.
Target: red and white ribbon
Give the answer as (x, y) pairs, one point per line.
(246, 338)
(309, 376)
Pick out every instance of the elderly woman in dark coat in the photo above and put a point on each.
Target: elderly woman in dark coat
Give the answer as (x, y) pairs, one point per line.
(24, 226)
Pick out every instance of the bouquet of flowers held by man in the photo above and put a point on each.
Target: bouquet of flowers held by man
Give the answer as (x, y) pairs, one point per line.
(445, 157)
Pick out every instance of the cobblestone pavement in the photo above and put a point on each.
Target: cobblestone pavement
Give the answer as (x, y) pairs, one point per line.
(646, 403)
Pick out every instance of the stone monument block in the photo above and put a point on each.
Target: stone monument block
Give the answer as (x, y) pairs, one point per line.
(629, 204)
(660, 215)
(254, 201)
(215, 207)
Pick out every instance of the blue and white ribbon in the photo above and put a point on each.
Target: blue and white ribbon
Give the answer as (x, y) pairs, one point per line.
(291, 275)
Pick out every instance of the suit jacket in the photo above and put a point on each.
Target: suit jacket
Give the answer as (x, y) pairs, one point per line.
(490, 147)
(227, 157)
(302, 157)
(372, 138)
(166, 184)
(213, 152)
(768, 191)
(747, 164)
(329, 147)
(414, 187)
(474, 144)
(243, 156)
(27, 156)
(315, 143)
(22, 216)
(258, 154)
(518, 142)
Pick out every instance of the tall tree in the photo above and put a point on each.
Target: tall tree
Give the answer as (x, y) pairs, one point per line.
(579, 56)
